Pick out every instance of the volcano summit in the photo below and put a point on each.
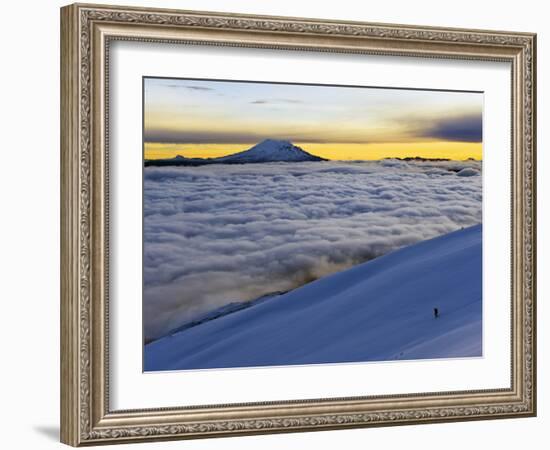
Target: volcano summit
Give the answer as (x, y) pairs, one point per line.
(269, 150)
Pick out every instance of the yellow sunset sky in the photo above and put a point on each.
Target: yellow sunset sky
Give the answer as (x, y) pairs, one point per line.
(204, 119)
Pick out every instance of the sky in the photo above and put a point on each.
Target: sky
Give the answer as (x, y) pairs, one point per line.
(206, 118)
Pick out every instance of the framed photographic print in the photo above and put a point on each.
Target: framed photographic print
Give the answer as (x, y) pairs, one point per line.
(280, 224)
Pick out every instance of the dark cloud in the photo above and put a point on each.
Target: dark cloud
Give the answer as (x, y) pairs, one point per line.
(218, 234)
(276, 101)
(192, 88)
(216, 137)
(199, 137)
(461, 129)
(199, 88)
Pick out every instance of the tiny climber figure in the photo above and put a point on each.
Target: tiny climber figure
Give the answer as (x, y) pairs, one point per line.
(436, 313)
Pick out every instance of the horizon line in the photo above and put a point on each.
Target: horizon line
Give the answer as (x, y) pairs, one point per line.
(444, 150)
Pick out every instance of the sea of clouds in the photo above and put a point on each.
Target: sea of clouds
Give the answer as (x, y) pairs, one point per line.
(223, 233)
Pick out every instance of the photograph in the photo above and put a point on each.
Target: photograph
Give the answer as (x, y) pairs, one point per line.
(294, 224)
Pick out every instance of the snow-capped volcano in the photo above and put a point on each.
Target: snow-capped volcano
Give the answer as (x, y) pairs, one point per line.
(269, 150)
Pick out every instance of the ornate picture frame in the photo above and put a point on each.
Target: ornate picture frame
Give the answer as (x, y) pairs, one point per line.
(87, 31)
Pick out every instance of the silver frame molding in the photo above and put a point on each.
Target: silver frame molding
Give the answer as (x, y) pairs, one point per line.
(86, 32)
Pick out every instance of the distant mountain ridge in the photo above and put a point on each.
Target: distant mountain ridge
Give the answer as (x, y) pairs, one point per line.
(269, 150)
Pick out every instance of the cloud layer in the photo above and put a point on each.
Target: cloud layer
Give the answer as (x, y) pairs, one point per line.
(218, 234)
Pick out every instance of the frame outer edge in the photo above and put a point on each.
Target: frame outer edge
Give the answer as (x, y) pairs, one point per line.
(81, 413)
(535, 367)
(533, 224)
(70, 299)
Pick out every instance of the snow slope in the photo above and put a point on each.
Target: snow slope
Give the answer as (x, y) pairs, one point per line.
(379, 310)
(269, 150)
